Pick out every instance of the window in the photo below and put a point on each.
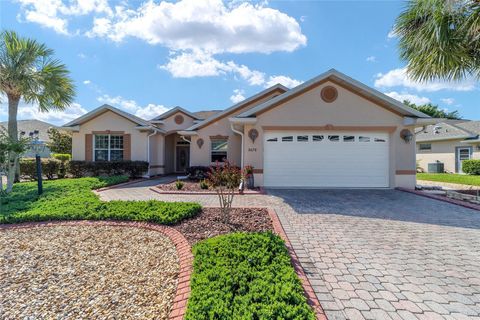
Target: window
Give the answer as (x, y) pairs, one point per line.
(219, 150)
(349, 138)
(334, 138)
(287, 139)
(108, 147)
(425, 146)
(378, 140)
(363, 139)
(302, 138)
(272, 140)
(317, 138)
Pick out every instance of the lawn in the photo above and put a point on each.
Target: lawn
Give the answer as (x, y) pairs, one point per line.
(73, 199)
(450, 178)
(245, 276)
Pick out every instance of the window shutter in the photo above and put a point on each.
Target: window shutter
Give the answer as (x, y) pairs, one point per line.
(127, 147)
(88, 147)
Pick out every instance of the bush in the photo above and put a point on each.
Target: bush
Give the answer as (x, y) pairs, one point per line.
(133, 169)
(64, 157)
(203, 185)
(179, 184)
(245, 276)
(50, 168)
(72, 199)
(198, 172)
(471, 166)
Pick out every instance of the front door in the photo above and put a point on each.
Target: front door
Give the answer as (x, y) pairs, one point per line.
(182, 158)
(462, 153)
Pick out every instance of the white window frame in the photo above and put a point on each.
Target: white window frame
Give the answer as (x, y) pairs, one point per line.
(109, 148)
(211, 149)
(424, 149)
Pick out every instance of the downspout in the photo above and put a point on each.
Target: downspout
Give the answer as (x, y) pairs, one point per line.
(232, 126)
(148, 149)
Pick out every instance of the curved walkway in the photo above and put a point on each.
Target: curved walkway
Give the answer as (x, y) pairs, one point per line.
(372, 254)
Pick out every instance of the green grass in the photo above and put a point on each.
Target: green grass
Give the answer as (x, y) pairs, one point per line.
(73, 199)
(450, 178)
(245, 276)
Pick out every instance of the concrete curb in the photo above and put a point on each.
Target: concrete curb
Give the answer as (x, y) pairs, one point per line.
(444, 199)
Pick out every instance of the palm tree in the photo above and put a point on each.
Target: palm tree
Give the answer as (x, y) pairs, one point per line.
(440, 39)
(29, 72)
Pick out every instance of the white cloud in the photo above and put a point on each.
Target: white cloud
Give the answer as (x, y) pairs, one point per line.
(410, 97)
(391, 34)
(148, 112)
(399, 78)
(87, 82)
(237, 96)
(82, 55)
(204, 25)
(201, 64)
(371, 59)
(448, 101)
(284, 80)
(31, 111)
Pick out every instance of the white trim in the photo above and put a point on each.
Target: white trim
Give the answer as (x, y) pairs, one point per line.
(232, 126)
(243, 120)
(109, 149)
(172, 111)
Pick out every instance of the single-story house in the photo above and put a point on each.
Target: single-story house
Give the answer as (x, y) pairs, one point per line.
(38, 131)
(449, 142)
(330, 131)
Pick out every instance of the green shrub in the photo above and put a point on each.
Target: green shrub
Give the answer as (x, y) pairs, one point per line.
(179, 184)
(245, 276)
(113, 180)
(133, 169)
(72, 199)
(471, 166)
(50, 168)
(62, 156)
(203, 185)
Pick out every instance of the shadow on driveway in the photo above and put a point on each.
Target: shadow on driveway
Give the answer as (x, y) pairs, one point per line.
(378, 204)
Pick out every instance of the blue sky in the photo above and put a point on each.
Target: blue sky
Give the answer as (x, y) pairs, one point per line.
(148, 56)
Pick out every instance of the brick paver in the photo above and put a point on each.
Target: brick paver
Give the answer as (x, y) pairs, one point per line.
(372, 254)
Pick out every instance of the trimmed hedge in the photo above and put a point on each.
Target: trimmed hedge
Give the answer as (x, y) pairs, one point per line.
(471, 166)
(133, 169)
(72, 199)
(50, 168)
(62, 156)
(245, 276)
(198, 172)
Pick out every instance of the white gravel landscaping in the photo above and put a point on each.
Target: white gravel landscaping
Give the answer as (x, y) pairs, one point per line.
(86, 272)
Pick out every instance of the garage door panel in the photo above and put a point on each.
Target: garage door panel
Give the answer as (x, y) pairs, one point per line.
(326, 163)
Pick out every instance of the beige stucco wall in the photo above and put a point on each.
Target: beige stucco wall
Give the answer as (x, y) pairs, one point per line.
(443, 151)
(201, 156)
(169, 124)
(157, 157)
(348, 109)
(113, 122)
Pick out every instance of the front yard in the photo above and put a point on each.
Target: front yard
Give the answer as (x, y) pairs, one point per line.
(241, 269)
(450, 178)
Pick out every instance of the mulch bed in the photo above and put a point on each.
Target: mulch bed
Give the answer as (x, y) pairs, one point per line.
(210, 223)
(190, 186)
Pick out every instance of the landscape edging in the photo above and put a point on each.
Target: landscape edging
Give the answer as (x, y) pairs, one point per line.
(441, 198)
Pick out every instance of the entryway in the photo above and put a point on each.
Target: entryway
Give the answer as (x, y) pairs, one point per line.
(461, 154)
(182, 157)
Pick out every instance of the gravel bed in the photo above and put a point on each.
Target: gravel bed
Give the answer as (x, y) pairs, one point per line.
(210, 223)
(87, 272)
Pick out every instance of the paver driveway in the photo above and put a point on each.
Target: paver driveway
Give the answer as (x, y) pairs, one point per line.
(374, 254)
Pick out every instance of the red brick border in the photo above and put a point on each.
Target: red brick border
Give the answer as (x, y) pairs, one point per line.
(441, 198)
(156, 189)
(184, 252)
(307, 287)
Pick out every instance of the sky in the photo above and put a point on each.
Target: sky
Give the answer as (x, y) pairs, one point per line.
(146, 57)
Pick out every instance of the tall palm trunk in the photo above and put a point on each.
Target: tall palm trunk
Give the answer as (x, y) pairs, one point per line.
(13, 101)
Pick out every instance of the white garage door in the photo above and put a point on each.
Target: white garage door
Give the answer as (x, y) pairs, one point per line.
(326, 159)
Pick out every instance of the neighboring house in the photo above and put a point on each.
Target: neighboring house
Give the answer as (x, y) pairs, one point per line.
(31, 128)
(450, 143)
(331, 131)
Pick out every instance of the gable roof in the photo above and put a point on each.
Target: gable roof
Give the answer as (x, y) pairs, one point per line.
(450, 130)
(28, 126)
(226, 112)
(173, 111)
(343, 81)
(206, 114)
(104, 108)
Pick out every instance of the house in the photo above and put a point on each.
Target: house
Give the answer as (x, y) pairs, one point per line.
(34, 129)
(449, 142)
(331, 131)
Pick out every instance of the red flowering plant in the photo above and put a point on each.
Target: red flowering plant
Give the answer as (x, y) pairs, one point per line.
(225, 178)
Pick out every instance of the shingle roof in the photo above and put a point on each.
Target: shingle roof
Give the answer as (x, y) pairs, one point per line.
(202, 115)
(450, 129)
(28, 126)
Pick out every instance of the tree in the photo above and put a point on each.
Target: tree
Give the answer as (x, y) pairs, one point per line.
(434, 111)
(60, 141)
(440, 39)
(28, 71)
(7, 146)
